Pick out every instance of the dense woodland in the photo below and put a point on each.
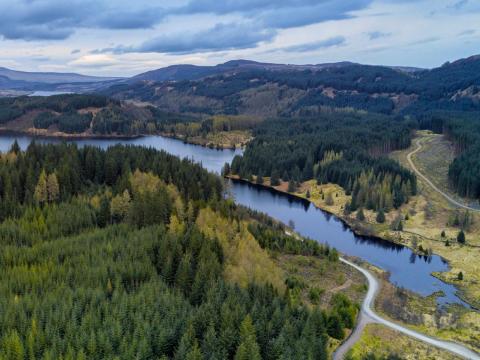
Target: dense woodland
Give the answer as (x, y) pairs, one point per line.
(101, 257)
(345, 148)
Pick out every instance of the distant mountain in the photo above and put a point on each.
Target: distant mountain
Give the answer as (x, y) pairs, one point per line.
(50, 77)
(32, 81)
(267, 90)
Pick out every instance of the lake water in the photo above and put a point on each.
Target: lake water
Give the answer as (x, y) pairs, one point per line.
(406, 269)
(49, 93)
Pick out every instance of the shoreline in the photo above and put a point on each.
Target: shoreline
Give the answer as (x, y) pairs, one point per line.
(359, 231)
(62, 135)
(40, 133)
(205, 145)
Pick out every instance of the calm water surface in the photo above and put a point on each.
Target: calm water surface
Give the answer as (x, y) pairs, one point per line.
(406, 269)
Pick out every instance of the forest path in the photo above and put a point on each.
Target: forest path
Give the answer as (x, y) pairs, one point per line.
(368, 315)
(432, 185)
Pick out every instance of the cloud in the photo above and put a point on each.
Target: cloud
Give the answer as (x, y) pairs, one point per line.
(326, 10)
(316, 45)
(459, 4)
(374, 35)
(97, 60)
(58, 19)
(425, 41)
(40, 58)
(218, 38)
(467, 32)
(75, 51)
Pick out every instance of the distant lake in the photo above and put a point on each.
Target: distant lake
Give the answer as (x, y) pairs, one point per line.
(49, 93)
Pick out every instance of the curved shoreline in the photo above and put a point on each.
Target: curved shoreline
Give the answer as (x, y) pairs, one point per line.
(357, 232)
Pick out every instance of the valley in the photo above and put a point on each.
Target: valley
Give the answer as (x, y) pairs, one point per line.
(354, 147)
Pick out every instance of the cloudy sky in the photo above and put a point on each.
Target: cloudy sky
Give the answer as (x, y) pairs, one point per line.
(125, 37)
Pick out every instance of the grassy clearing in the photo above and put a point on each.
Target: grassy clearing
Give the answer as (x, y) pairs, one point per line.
(323, 278)
(219, 139)
(382, 341)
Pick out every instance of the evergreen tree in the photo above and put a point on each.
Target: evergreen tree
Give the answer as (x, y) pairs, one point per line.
(248, 348)
(274, 178)
(460, 276)
(291, 186)
(334, 327)
(226, 169)
(360, 215)
(461, 237)
(12, 347)
(380, 216)
(259, 179)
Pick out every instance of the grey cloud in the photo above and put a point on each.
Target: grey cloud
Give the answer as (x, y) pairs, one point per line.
(459, 4)
(326, 10)
(377, 35)
(75, 51)
(218, 38)
(58, 19)
(425, 41)
(467, 32)
(316, 45)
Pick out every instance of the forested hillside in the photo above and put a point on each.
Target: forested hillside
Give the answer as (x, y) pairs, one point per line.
(82, 114)
(341, 147)
(268, 90)
(133, 253)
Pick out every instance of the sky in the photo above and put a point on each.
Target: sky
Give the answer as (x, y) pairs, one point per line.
(126, 37)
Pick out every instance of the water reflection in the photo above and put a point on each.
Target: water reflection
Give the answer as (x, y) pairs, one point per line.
(406, 269)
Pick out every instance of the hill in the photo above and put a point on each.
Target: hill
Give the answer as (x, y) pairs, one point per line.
(79, 114)
(266, 90)
(31, 81)
(195, 72)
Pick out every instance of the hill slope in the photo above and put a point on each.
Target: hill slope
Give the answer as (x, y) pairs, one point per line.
(244, 87)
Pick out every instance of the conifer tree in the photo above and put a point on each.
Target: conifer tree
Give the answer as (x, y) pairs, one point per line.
(360, 215)
(248, 348)
(380, 217)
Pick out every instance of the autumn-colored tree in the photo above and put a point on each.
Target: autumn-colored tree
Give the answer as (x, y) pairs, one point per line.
(41, 192)
(119, 206)
(53, 188)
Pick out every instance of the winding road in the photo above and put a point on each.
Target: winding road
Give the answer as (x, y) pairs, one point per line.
(432, 185)
(367, 315)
